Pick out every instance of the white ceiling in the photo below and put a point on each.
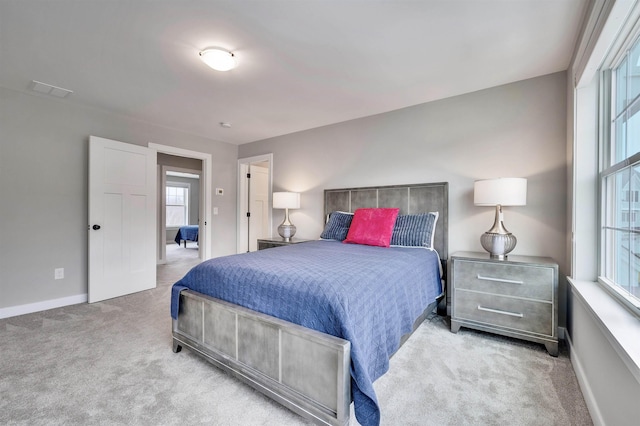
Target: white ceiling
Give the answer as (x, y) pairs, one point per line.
(302, 64)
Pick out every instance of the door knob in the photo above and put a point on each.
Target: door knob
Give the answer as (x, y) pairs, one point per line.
(96, 227)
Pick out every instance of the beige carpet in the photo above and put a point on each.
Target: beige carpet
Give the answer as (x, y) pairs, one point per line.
(111, 363)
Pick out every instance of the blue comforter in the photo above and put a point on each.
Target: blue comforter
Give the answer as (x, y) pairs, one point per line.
(189, 232)
(368, 295)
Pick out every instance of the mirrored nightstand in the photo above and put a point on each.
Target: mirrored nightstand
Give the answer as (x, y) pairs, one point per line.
(265, 243)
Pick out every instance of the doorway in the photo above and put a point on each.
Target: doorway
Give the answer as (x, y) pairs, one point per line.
(205, 202)
(254, 201)
(180, 210)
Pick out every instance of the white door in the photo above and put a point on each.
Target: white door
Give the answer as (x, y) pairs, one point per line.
(122, 219)
(254, 195)
(259, 205)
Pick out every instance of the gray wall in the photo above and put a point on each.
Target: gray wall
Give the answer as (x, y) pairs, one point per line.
(182, 162)
(515, 130)
(43, 184)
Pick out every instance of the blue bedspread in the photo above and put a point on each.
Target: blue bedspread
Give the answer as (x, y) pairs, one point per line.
(189, 232)
(368, 295)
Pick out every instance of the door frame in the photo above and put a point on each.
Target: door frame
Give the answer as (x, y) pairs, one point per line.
(206, 179)
(243, 164)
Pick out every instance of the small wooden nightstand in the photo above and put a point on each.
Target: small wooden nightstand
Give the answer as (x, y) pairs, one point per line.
(265, 243)
(517, 297)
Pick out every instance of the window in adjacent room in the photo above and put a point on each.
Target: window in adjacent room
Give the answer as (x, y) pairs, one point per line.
(177, 196)
(620, 179)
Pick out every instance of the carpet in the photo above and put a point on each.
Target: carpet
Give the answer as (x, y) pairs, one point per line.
(111, 363)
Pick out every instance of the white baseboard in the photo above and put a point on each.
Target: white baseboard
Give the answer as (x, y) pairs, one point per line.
(14, 311)
(587, 393)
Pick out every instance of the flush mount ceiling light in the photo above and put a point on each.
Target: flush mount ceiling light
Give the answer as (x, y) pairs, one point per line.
(218, 59)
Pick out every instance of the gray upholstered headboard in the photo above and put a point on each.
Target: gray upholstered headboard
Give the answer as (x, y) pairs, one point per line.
(411, 199)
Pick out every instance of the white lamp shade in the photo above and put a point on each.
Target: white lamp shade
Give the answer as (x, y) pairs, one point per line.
(286, 200)
(218, 59)
(502, 191)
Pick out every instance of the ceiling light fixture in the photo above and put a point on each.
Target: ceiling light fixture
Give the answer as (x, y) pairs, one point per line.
(218, 59)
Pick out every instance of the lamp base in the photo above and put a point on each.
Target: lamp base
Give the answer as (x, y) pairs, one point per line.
(287, 231)
(498, 245)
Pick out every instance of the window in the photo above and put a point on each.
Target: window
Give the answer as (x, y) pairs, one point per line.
(177, 196)
(620, 180)
(630, 196)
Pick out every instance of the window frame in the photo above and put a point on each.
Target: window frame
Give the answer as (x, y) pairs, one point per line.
(606, 169)
(182, 185)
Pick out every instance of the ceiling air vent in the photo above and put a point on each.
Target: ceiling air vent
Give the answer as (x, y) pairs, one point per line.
(48, 89)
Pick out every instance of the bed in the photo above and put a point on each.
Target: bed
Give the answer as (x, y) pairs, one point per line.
(187, 233)
(333, 335)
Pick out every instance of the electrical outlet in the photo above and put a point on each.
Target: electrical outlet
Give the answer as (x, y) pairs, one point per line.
(58, 273)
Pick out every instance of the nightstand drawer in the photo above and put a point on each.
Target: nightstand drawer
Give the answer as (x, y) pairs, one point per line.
(516, 314)
(531, 282)
(266, 243)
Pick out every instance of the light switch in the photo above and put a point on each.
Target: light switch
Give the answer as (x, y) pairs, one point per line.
(215, 211)
(58, 273)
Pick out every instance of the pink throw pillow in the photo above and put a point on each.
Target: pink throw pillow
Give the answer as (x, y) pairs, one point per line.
(372, 227)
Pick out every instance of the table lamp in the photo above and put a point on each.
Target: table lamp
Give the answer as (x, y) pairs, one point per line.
(286, 201)
(498, 241)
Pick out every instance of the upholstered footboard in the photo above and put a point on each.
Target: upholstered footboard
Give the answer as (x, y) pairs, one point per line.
(302, 369)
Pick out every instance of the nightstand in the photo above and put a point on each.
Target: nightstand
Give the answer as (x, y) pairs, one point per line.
(265, 243)
(517, 297)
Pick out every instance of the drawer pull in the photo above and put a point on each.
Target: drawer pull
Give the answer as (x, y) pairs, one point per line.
(497, 311)
(500, 280)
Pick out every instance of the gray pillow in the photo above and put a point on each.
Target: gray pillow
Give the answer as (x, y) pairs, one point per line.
(337, 226)
(415, 230)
